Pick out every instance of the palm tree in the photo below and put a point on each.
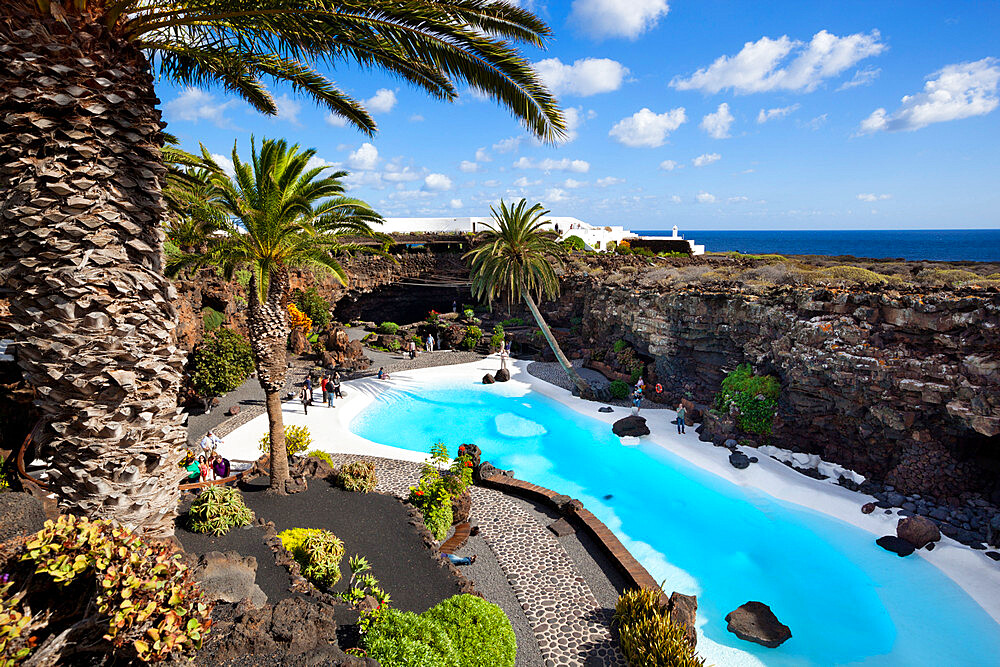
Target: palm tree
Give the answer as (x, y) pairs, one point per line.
(81, 171)
(515, 260)
(282, 214)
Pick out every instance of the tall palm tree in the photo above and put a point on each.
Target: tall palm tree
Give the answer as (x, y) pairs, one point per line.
(282, 214)
(81, 171)
(515, 261)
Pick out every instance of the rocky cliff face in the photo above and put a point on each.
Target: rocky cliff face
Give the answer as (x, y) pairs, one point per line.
(902, 388)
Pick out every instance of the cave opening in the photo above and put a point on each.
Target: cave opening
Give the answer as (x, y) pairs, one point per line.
(402, 304)
(983, 451)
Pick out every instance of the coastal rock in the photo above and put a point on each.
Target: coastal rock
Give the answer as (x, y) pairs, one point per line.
(897, 545)
(20, 514)
(488, 379)
(868, 508)
(606, 409)
(739, 460)
(918, 531)
(755, 622)
(730, 443)
(631, 425)
(502, 375)
(684, 610)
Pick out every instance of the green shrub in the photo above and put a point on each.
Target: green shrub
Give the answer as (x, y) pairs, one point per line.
(211, 318)
(497, 339)
(855, 274)
(217, 509)
(439, 481)
(756, 397)
(472, 336)
(297, 439)
(357, 476)
(512, 322)
(618, 389)
(140, 597)
(388, 328)
(318, 552)
(320, 454)
(646, 634)
(221, 363)
(479, 630)
(637, 372)
(469, 313)
(462, 631)
(242, 277)
(363, 584)
(312, 304)
(620, 346)
(394, 345)
(574, 243)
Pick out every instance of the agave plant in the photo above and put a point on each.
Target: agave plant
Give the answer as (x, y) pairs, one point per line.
(81, 172)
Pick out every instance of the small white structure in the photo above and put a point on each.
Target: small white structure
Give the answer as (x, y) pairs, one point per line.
(594, 238)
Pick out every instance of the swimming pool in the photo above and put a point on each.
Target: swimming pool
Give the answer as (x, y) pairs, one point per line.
(846, 600)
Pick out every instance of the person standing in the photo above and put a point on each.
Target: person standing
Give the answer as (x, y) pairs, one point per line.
(309, 387)
(430, 342)
(336, 393)
(681, 416)
(454, 306)
(305, 396)
(413, 350)
(637, 400)
(322, 385)
(503, 357)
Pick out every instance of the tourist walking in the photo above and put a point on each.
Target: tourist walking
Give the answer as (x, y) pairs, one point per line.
(430, 342)
(637, 400)
(681, 415)
(210, 442)
(336, 389)
(413, 350)
(309, 388)
(305, 396)
(322, 385)
(503, 357)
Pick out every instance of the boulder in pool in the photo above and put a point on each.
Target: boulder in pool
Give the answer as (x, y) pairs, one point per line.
(739, 460)
(488, 379)
(918, 531)
(896, 545)
(633, 425)
(502, 375)
(755, 622)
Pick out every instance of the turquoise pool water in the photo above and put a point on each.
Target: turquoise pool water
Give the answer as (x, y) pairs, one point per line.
(846, 600)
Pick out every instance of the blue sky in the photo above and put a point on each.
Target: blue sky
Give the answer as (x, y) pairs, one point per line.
(707, 115)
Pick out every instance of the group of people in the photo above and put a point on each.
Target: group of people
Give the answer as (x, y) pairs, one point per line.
(209, 465)
(640, 387)
(329, 386)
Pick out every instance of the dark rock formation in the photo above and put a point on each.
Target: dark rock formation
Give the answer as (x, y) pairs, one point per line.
(472, 451)
(233, 410)
(868, 508)
(228, 577)
(755, 622)
(20, 514)
(488, 379)
(461, 506)
(561, 527)
(487, 470)
(684, 610)
(918, 531)
(502, 375)
(606, 408)
(897, 545)
(739, 460)
(631, 425)
(298, 342)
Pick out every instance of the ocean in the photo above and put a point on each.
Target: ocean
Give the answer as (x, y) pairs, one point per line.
(979, 245)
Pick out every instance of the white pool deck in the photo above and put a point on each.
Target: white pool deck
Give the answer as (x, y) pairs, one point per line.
(976, 573)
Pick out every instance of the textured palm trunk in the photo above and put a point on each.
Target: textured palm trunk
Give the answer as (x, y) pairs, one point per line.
(81, 262)
(554, 344)
(269, 329)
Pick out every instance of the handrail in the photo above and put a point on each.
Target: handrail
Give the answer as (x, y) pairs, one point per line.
(19, 459)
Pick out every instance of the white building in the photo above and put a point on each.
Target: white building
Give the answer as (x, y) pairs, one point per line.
(595, 238)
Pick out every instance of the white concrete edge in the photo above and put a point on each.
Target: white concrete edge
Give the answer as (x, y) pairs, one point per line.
(973, 571)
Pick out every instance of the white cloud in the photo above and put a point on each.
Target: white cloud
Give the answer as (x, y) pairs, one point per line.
(572, 183)
(586, 76)
(674, 199)
(864, 196)
(574, 117)
(456, 203)
(365, 158)
(815, 123)
(738, 200)
(668, 165)
(468, 167)
(335, 120)
(482, 155)
(406, 195)
(765, 64)
(555, 195)
(437, 182)
(705, 197)
(779, 112)
(316, 161)
(225, 163)
(522, 182)
(396, 173)
(416, 118)
(288, 109)
(194, 104)
(507, 145)
(706, 159)
(382, 101)
(548, 164)
(647, 129)
(862, 77)
(492, 183)
(609, 181)
(717, 124)
(958, 91)
(617, 18)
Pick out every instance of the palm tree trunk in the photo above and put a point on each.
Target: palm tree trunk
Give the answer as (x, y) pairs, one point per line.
(269, 329)
(554, 344)
(81, 260)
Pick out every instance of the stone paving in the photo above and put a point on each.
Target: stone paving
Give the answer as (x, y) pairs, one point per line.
(570, 626)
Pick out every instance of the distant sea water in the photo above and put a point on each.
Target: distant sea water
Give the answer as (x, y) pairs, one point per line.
(979, 245)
